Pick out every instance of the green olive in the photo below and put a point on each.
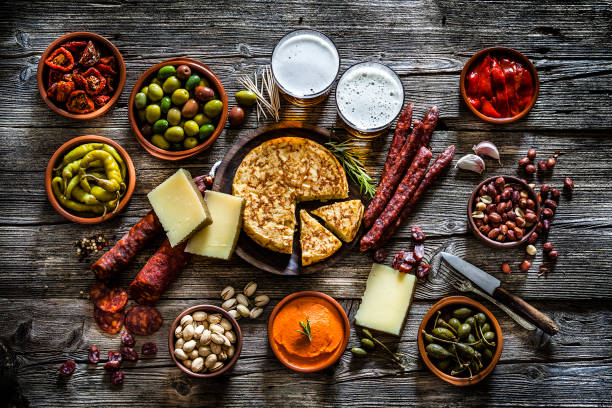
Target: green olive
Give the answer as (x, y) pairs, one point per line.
(174, 116)
(165, 104)
(464, 330)
(444, 333)
(489, 336)
(180, 96)
(206, 131)
(145, 90)
(174, 134)
(140, 100)
(201, 119)
(481, 318)
(437, 351)
(176, 146)
(213, 108)
(462, 313)
(159, 141)
(160, 126)
(152, 113)
(190, 142)
(192, 82)
(156, 81)
(246, 98)
(141, 115)
(454, 322)
(191, 128)
(155, 92)
(171, 84)
(204, 82)
(165, 72)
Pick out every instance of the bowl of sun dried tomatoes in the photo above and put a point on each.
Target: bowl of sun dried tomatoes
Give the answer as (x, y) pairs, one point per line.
(81, 75)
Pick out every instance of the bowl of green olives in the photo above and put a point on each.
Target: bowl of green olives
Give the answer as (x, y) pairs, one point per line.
(460, 340)
(177, 109)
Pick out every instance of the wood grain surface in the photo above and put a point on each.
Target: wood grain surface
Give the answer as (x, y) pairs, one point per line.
(47, 318)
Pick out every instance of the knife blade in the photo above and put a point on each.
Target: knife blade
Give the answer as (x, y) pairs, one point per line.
(492, 286)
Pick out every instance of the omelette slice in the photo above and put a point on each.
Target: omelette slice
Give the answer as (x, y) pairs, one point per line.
(317, 242)
(342, 218)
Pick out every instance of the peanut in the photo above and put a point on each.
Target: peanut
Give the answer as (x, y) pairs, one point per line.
(525, 265)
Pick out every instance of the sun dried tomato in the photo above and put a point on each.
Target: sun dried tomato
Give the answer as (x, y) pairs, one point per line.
(60, 59)
(100, 100)
(149, 349)
(79, 102)
(64, 89)
(117, 377)
(110, 61)
(67, 368)
(74, 46)
(105, 69)
(127, 339)
(114, 360)
(128, 353)
(90, 56)
(55, 75)
(92, 81)
(94, 354)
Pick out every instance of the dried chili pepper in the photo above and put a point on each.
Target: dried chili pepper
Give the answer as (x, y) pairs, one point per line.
(60, 59)
(92, 81)
(79, 102)
(90, 56)
(105, 69)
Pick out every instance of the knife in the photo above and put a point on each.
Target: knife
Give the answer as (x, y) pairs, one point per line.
(492, 286)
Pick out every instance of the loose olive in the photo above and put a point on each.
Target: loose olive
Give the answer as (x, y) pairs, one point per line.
(444, 333)
(246, 98)
(190, 142)
(142, 116)
(191, 128)
(192, 82)
(174, 116)
(171, 84)
(486, 327)
(464, 330)
(190, 109)
(155, 92)
(489, 336)
(165, 104)
(160, 126)
(203, 93)
(146, 130)
(437, 351)
(481, 318)
(462, 313)
(140, 100)
(180, 96)
(368, 343)
(165, 72)
(213, 108)
(454, 322)
(201, 119)
(443, 364)
(152, 113)
(183, 72)
(159, 141)
(174, 134)
(236, 116)
(206, 131)
(470, 321)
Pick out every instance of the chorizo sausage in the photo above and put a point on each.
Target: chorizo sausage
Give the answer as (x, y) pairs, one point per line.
(399, 138)
(421, 132)
(404, 192)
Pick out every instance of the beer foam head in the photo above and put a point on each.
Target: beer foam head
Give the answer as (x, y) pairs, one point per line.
(305, 63)
(369, 96)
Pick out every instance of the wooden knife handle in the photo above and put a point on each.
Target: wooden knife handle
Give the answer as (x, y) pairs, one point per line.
(543, 322)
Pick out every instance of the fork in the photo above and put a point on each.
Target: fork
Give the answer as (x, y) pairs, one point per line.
(464, 285)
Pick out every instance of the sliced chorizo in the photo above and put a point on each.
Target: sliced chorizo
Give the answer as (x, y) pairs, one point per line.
(143, 320)
(108, 299)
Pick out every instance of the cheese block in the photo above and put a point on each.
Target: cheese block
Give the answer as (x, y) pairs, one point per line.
(218, 240)
(386, 300)
(316, 241)
(180, 207)
(342, 218)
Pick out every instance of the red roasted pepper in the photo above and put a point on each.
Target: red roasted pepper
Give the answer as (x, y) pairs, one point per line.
(499, 82)
(60, 59)
(488, 109)
(79, 102)
(509, 68)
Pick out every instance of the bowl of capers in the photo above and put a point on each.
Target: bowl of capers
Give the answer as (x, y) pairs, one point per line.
(460, 340)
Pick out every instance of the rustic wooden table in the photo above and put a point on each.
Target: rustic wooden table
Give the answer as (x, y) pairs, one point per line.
(46, 317)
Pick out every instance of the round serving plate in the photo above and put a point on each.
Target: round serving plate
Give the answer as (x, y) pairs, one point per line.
(246, 248)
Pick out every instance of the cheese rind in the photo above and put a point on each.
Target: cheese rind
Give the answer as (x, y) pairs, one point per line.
(218, 240)
(386, 300)
(180, 207)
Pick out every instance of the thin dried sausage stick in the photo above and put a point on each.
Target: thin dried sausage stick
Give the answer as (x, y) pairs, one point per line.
(420, 132)
(404, 192)
(441, 162)
(139, 236)
(399, 138)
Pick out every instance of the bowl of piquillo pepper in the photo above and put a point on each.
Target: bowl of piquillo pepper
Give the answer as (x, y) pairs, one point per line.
(90, 179)
(177, 109)
(499, 85)
(503, 212)
(81, 75)
(460, 340)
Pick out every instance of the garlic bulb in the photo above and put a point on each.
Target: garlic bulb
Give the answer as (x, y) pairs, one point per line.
(487, 149)
(471, 162)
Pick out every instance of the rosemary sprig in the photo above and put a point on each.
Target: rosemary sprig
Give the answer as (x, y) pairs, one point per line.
(305, 329)
(351, 157)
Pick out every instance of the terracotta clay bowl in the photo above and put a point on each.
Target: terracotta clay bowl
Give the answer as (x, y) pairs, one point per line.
(483, 238)
(228, 364)
(337, 354)
(57, 158)
(517, 56)
(43, 72)
(449, 303)
(215, 83)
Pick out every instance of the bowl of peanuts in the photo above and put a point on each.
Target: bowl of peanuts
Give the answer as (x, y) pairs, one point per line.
(504, 212)
(205, 341)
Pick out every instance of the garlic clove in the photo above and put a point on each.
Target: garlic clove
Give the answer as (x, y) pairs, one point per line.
(487, 149)
(471, 162)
